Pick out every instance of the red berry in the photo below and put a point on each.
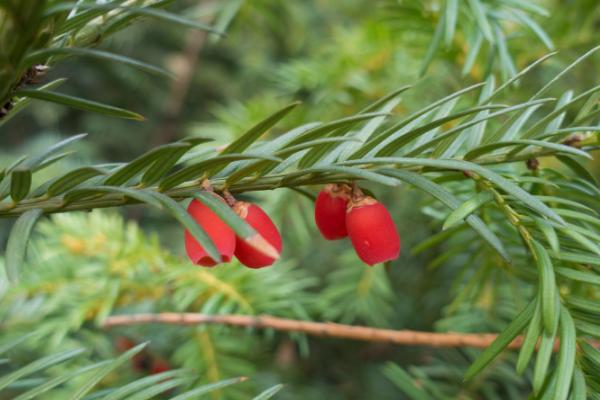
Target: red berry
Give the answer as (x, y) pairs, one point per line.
(246, 249)
(372, 230)
(159, 365)
(139, 361)
(222, 236)
(330, 211)
(123, 343)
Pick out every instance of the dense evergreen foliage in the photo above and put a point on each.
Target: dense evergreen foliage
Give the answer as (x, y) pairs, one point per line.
(475, 122)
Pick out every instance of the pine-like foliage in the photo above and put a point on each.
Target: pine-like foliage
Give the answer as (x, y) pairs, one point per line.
(507, 189)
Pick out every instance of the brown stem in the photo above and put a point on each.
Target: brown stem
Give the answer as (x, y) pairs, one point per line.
(229, 198)
(206, 185)
(322, 329)
(357, 194)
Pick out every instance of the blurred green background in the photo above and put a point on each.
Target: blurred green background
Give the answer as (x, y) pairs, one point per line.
(335, 57)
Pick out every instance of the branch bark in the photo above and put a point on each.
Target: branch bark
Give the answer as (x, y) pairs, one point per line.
(321, 329)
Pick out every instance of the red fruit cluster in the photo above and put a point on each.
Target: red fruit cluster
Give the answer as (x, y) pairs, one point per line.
(246, 250)
(341, 211)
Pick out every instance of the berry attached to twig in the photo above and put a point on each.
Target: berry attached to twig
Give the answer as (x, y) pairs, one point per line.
(372, 230)
(219, 232)
(330, 211)
(246, 252)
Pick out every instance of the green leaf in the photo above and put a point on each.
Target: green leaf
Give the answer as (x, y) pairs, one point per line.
(53, 159)
(396, 141)
(591, 354)
(579, 391)
(579, 276)
(16, 247)
(36, 163)
(324, 155)
(21, 103)
(536, 29)
(128, 171)
(442, 112)
(528, 6)
(588, 106)
(561, 148)
(195, 393)
(566, 355)
(571, 203)
(503, 340)
(434, 46)
(20, 184)
(354, 172)
(588, 328)
(454, 131)
(269, 393)
(40, 56)
(557, 117)
(9, 345)
(142, 196)
(548, 232)
(503, 133)
(452, 202)
(181, 214)
(387, 102)
(161, 167)
(544, 354)
(547, 286)
(579, 216)
(579, 235)
(263, 167)
(250, 136)
(141, 11)
(90, 383)
(591, 306)
(554, 118)
(323, 129)
(155, 389)
(508, 67)
(519, 75)
(580, 258)
(491, 176)
(474, 47)
(241, 228)
(314, 144)
(72, 179)
(466, 209)
(530, 340)
(450, 16)
(481, 19)
(578, 168)
(226, 15)
(200, 169)
(76, 102)
(404, 382)
(376, 140)
(38, 365)
(564, 71)
(59, 380)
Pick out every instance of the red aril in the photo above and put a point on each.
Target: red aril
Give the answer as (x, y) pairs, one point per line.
(247, 252)
(222, 236)
(372, 230)
(330, 211)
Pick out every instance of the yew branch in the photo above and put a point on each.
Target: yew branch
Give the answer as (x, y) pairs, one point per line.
(322, 329)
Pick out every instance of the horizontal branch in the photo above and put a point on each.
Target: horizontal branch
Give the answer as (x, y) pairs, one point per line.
(322, 329)
(57, 204)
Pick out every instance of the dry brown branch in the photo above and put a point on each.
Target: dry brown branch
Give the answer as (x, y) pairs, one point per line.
(323, 329)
